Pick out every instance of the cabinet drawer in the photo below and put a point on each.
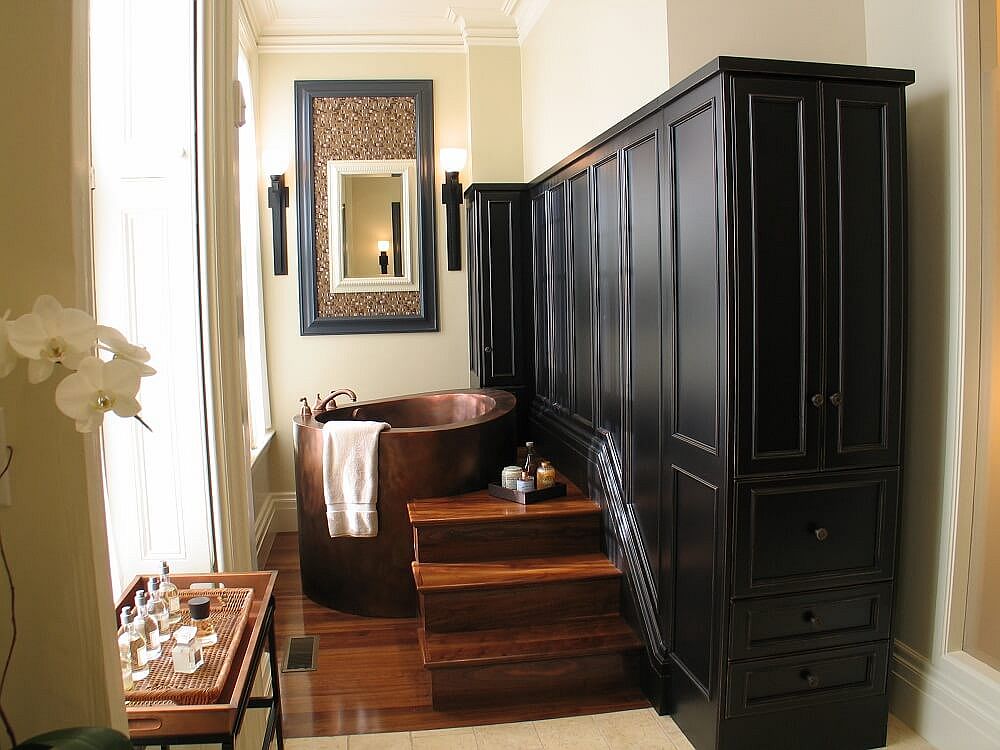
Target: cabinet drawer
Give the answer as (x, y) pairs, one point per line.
(782, 625)
(807, 679)
(815, 532)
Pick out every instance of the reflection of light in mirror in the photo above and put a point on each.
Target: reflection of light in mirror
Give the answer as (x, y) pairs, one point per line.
(383, 246)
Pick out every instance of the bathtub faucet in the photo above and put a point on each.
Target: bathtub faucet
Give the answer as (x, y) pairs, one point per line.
(324, 405)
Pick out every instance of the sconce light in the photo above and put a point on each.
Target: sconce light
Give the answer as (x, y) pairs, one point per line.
(277, 200)
(452, 161)
(383, 256)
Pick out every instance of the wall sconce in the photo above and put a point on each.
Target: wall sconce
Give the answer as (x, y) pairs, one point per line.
(277, 200)
(383, 256)
(452, 161)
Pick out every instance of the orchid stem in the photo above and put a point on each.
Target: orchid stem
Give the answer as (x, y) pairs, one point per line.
(143, 422)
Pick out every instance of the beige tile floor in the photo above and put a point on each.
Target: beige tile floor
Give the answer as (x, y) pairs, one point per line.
(625, 730)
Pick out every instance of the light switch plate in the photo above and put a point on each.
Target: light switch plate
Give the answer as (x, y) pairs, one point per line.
(5, 498)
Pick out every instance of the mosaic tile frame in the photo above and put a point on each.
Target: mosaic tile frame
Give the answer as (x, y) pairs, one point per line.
(340, 120)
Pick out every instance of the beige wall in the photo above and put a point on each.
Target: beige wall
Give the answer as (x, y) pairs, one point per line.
(57, 676)
(493, 82)
(374, 365)
(817, 30)
(585, 65)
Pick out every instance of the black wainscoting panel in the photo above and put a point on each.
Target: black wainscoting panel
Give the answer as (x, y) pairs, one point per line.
(555, 213)
(864, 240)
(694, 542)
(502, 280)
(695, 297)
(780, 252)
(642, 235)
(540, 277)
(609, 297)
(584, 305)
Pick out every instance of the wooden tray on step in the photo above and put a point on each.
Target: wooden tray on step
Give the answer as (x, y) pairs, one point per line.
(527, 498)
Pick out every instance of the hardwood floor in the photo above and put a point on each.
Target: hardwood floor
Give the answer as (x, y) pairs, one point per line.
(370, 676)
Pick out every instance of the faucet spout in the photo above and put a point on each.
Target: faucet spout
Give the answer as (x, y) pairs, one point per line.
(330, 402)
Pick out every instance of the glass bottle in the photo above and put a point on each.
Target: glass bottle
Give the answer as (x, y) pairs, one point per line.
(201, 618)
(546, 475)
(132, 638)
(170, 594)
(531, 460)
(149, 625)
(158, 610)
(187, 652)
(125, 659)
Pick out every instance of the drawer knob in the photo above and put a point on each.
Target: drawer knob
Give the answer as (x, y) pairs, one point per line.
(817, 400)
(812, 618)
(821, 533)
(811, 679)
(488, 349)
(836, 399)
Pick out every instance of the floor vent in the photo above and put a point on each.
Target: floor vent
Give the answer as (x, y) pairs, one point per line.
(301, 654)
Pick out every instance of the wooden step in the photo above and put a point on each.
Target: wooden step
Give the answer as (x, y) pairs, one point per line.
(586, 636)
(477, 527)
(488, 595)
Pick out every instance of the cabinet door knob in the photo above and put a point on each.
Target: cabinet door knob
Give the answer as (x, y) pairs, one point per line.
(821, 533)
(488, 349)
(811, 679)
(812, 618)
(817, 400)
(836, 399)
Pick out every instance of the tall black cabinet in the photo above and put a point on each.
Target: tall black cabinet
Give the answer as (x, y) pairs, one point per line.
(718, 328)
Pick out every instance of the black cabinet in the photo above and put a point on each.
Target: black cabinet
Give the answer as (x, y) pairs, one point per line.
(718, 330)
(500, 291)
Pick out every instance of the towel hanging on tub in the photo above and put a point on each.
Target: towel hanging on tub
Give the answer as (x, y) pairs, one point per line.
(350, 476)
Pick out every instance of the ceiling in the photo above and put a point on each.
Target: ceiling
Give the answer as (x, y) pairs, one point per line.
(290, 25)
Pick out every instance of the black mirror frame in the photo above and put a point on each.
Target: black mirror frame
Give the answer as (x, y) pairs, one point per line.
(311, 324)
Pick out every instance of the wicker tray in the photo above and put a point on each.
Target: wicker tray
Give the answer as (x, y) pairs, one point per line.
(230, 609)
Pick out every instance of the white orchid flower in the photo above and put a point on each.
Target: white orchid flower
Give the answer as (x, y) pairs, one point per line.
(114, 341)
(8, 357)
(96, 388)
(52, 334)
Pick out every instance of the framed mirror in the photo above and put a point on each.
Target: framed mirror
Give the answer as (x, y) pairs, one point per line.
(365, 191)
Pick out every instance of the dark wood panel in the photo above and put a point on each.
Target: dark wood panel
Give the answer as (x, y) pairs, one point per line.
(501, 282)
(609, 296)
(540, 278)
(558, 291)
(694, 543)
(864, 227)
(642, 236)
(769, 626)
(584, 308)
(779, 251)
(815, 532)
(486, 540)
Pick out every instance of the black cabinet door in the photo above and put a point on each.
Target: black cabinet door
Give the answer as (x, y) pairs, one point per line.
(779, 259)
(864, 215)
(501, 292)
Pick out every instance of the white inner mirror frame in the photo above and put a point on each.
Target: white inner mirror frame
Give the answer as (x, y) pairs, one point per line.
(340, 281)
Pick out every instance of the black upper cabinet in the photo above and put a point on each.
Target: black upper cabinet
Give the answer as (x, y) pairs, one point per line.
(499, 285)
(824, 364)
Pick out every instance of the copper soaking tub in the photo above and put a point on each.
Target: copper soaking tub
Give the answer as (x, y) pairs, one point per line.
(438, 444)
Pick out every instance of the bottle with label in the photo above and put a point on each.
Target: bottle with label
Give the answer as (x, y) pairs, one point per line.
(158, 610)
(170, 594)
(531, 460)
(201, 617)
(546, 475)
(187, 652)
(148, 624)
(125, 659)
(132, 638)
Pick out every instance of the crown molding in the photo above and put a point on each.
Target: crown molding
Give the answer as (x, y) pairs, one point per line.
(249, 22)
(360, 43)
(484, 26)
(525, 13)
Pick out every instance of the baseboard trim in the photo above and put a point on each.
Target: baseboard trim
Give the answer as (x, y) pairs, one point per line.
(276, 515)
(949, 712)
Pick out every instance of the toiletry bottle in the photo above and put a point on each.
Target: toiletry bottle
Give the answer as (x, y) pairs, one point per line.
(201, 617)
(170, 594)
(531, 460)
(158, 610)
(149, 624)
(187, 652)
(125, 659)
(546, 475)
(132, 638)
(526, 483)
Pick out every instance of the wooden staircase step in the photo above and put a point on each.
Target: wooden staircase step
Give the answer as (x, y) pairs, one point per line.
(524, 571)
(586, 636)
(482, 507)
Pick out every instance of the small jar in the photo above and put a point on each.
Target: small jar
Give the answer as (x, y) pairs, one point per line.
(510, 476)
(187, 653)
(526, 483)
(545, 476)
(201, 618)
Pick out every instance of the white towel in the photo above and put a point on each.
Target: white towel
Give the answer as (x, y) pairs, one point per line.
(350, 476)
